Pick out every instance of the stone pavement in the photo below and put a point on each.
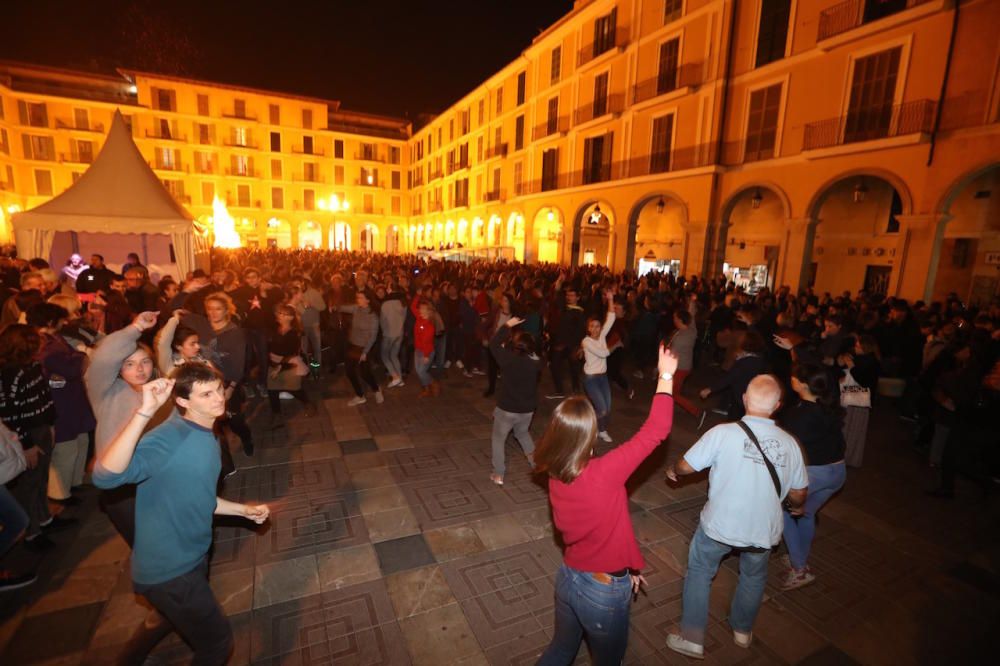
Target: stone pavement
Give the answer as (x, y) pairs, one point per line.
(388, 544)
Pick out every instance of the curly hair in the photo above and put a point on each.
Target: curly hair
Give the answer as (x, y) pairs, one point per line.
(19, 345)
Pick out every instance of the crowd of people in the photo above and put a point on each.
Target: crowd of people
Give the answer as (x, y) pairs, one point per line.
(112, 377)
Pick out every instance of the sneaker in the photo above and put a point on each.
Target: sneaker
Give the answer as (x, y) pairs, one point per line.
(678, 644)
(357, 400)
(555, 396)
(459, 364)
(285, 395)
(379, 398)
(604, 435)
(13, 581)
(497, 479)
(447, 364)
(467, 373)
(395, 382)
(741, 639)
(477, 371)
(797, 578)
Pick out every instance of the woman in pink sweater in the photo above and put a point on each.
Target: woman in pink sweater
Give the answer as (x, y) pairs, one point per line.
(602, 563)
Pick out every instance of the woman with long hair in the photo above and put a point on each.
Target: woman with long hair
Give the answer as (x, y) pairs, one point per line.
(594, 349)
(176, 345)
(817, 422)
(601, 563)
(287, 367)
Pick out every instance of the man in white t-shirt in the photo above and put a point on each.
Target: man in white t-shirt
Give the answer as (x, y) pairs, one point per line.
(743, 512)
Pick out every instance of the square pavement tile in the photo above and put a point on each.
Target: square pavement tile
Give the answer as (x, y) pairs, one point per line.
(499, 617)
(404, 553)
(282, 581)
(378, 646)
(52, 635)
(352, 446)
(348, 566)
(523, 651)
(449, 543)
(440, 636)
(500, 531)
(418, 590)
(391, 524)
(82, 586)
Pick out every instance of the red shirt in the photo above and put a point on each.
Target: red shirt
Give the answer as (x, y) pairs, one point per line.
(592, 511)
(423, 330)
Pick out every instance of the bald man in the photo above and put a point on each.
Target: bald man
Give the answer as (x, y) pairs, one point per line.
(743, 512)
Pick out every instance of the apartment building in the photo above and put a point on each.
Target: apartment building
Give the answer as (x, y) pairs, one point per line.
(842, 144)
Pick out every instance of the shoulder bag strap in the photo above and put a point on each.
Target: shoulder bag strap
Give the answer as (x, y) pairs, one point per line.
(770, 467)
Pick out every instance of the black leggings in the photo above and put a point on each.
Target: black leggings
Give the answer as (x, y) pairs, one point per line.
(274, 398)
(615, 362)
(358, 370)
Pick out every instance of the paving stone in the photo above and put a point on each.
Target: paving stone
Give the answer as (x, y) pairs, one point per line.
(281, 581)
(439, 636)
(52, 635)
(347, 566)
(404, 553)
(418, 591)
(352, 446)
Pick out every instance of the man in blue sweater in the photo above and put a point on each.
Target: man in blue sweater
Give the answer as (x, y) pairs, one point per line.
(176, 467)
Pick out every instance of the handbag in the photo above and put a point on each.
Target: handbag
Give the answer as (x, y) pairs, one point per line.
(12, 460)
(853, 394)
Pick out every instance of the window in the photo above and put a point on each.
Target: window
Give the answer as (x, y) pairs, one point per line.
(307, 145)
(165, 159)
(33, 114)
(672, 10)
(518, 179)
(873, 91)
(85, 152)
(275, 142)
(309, 199)
(555, 69)
(451, 130)
(368, 203)
(81, 119)
(203, 162)
(463, 156)
(600, 95)
(240, 136)
(895, 210)
(550, 169)
(202, 105)
(482, 111)
(309, 172)
(276, 170)
(2, 113)
(368, 151)
(163, 131)
(240, 108)
(4, 146)
(338, 148)
(479, 149)
(499, 101)
(307, 119)
(204, 134)
(43, 182)
(10, 177)
(207, 194)
(396, 207)
(497, 179)
(38, 147)
(604, 32)
(519, 133)
(666, 77)
(597, 158)
(395, 180)
(274, 114)
(521, 85)
(277, 197)
(240, 165)
(772, 33)
(462, 192)
(338, 174)
(394, 150)
(552, 122)
(369, 176)
(164, 99)
(762, 123)
(497, 136)
(663, 135)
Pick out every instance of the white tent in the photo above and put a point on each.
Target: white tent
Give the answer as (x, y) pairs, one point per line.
(117, 206)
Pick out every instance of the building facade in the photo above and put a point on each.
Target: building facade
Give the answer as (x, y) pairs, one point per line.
(843, 145)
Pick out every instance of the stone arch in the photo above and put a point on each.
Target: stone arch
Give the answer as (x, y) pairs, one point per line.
(816, 202)
(633, 220)
(761, 251)
(514, 233)
(585, 209)
(548, 234)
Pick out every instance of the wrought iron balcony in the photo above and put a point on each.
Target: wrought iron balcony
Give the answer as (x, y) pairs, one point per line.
(871, 123)
(598, 108)
(559, 125)
(854, 13)
(690, 74)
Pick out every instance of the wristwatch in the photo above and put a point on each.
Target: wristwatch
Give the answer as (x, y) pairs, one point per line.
(666, 376)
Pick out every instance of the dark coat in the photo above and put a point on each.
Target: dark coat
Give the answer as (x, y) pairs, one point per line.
(73, 413)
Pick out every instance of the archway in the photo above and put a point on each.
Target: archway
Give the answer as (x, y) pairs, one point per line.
(494, 231)
(548, 234)
(392, 240)
(450, 233)
(310, 235)
(478, 232)
(748, 241)
(852, 235)
(515, 234)
(368, 238)
(966, 257)
(462, 232)
(593, 234)
(656, 235)
(279, 233)
(340, 235)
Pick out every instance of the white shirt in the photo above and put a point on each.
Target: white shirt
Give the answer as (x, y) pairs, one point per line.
(595, 350)
(743, 509)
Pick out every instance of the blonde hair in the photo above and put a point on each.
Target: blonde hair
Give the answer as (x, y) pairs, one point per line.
(565, 448)
(71, 304)
(223, 297)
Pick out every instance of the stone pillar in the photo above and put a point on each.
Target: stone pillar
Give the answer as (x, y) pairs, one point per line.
(294, 232)
(795, 254)
(916, 262)
(324, 227)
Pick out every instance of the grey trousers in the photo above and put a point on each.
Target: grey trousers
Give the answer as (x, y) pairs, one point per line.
(503, 423)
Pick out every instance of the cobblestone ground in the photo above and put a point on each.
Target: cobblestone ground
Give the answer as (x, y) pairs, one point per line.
(389, 545)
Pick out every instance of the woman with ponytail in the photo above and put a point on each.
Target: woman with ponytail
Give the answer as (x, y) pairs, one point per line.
(817, 422)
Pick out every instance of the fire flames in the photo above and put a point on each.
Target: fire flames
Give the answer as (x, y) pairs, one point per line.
(224, 226)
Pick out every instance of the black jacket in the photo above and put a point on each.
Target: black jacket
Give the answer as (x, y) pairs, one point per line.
(519, 386)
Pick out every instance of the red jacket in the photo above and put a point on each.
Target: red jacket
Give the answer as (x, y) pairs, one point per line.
(423, 329)
(592, 511)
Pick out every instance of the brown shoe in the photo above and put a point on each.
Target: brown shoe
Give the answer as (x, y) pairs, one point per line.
(435, 389)
(425, 392)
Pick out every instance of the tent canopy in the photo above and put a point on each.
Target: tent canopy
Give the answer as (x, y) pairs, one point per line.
(118, 194)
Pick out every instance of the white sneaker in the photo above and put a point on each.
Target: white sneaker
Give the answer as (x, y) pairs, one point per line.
(477, 371)
(395, 382)
(285, 395)
(447, 364)
(459, 364)
(379, 398)
(678, 644)
(467, 373)
(357, 400)
(604, 435)
(741, 639)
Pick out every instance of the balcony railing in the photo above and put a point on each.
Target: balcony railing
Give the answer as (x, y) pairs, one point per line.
(249, 145)
(204, 168)
(299, 150)
(369, 157)
(246, 203)
(495, 195)
(499, 150)
(854, 13)
(877, 122)
(435, 174)
(176, 167)
(65, 125)
(598, 108)
(74, 158)
(558, 125)
(363, 182)
(243, 173)
(165, 137)
(233, 115)
(307, 178)
(372, 210)
(435, 207)
(591, 51)
(690, 74)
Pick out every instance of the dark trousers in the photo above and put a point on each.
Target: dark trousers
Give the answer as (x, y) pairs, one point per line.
(473, 351)
(492, 370)
(358, 370)
(274, 398)
(13, 518)
(30, 488)
(119, 505)
(192, 611)
(615, 363)
(455, 342)
(559, 357)
(236, 421)
(258, 342)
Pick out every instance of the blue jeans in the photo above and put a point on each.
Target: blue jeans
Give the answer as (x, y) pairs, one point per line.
(13, 519)
(824, 481)
(598, 389)
(703, 563)
(585, 606)
(390, 356)
(422, 366)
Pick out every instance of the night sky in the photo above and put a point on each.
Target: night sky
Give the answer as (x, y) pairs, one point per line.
(398, 58)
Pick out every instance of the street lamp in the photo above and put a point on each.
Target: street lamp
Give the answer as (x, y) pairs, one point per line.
(756, 199)
(660, 205)
(860, 191)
